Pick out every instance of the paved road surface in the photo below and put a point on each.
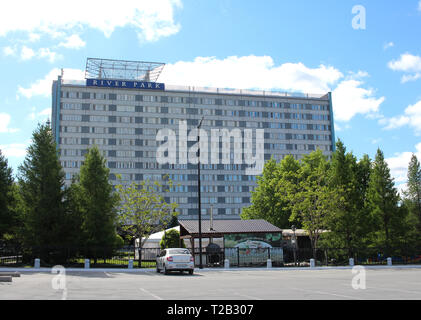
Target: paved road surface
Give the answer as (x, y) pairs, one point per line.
(234, 285)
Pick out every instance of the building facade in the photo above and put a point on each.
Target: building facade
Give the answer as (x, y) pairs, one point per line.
(130, 121)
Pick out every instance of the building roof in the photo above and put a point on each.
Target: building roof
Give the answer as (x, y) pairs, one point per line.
(220, 227)
(157, 236)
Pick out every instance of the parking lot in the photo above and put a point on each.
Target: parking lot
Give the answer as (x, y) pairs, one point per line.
(236, 284)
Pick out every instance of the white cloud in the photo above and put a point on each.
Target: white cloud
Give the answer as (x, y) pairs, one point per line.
(9, 51)
(411, 117)
(419, 6)
(13, 150)
(50, 55)
(399, 166)
(248, 72)
(407, 63)
(73, 42)
(349, 99)
(43, 86)
(410, 77)
(42, 115)
(4, 124)
(34, 37)
(260, 72)
(388, 45)
(256, 72)
(151, 19)
(26, 53)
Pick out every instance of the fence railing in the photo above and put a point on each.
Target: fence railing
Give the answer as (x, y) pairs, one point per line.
(341, 256)
(99, 257)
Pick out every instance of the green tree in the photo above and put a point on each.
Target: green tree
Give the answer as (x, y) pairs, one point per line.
(171, 239)
(93, 195)
(382, 201)
(269, 201)
(41, 185)
(74, 204)
(347, 221)
(413, 192)
(9, 217)
(143, 209)
(311, 198)
(263, 198)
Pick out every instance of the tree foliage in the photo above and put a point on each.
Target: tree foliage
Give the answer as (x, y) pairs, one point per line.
(143, 210)
(413, 192)
(171, 239)
(9, 216)
(268, 201)
(311, 198)
(382, 202)
(92, 195)
(348, 221)
(41, 186)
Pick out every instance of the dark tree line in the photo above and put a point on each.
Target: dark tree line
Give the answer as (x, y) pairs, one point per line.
(355, 200)
(40, 213)
(55, 222)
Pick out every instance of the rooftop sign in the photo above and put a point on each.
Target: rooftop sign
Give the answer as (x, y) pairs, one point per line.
(125, 84)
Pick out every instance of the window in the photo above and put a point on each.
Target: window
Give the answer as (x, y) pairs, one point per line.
(125, 130)
(98, 118)
(125, 153)
(152, 120)
(125, 142)
(72, 106)
(71, 117)
(126, 97)
(150, 98)
(126, 108)
(73, 94)
(151, 109)
(99, 107)
(100, 96)
(100, 130)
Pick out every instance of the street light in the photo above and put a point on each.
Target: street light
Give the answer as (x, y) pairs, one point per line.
(198, 195)
(294, 241)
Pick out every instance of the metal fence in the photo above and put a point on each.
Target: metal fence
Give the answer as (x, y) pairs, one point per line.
(101, 257)
(341, 256)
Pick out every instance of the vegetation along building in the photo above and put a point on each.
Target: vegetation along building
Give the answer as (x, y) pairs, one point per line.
(147, 129)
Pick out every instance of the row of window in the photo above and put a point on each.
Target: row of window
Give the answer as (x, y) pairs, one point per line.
(301, 147)
(206, 211)
(195, 111)
(191, 100)
(209, 123)
(153, 132)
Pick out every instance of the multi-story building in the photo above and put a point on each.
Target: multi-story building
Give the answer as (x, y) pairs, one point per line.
(147, 130)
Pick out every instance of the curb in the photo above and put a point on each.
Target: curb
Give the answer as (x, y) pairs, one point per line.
(126, 270)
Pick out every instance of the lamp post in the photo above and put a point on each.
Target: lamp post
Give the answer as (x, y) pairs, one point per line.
(295, 245)
(198, 195)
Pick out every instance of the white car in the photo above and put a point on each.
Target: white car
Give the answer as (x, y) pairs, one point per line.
(175, 259)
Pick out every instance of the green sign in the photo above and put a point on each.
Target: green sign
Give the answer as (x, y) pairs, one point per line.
(253, 240)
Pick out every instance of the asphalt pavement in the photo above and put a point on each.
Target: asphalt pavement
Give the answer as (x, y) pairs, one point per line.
(235, 284)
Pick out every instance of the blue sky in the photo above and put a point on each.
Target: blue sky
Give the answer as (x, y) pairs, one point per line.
(367, 53)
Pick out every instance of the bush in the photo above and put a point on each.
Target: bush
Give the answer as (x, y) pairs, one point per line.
(171, 239)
